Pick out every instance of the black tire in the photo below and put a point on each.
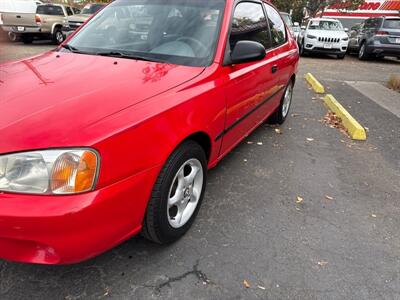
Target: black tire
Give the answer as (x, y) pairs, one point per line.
(13, 37)
(156, 226)
(363, 52)
(341, 56)
(279, 116)
(27, 39)
(302, 51)
(58, 36)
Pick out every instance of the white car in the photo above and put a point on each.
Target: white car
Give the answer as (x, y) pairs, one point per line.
(324, 36)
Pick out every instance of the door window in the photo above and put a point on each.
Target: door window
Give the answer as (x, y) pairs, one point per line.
(249, 23)
(277, 26)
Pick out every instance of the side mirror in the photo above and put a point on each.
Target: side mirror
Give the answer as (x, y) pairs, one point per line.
(303, 27)
(247, 51)
(296, 24)
(346, 30)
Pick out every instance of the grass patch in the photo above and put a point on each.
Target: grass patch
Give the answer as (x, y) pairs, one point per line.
(394, 82)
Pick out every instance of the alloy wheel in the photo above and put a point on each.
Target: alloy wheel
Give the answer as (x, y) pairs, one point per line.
(185, 193)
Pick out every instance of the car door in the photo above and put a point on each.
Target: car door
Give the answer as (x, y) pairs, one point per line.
(250, 87)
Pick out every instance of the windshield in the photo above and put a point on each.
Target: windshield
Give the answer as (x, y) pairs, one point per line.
(91, 9)
(182, 32)
(325, 25)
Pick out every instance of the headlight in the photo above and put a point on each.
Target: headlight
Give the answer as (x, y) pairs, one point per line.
(311, 36)
(65, 22)
(345, 39)
(61, 172)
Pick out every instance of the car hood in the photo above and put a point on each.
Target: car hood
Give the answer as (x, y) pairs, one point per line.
(328, 33)
(78, 18)
(45, 101)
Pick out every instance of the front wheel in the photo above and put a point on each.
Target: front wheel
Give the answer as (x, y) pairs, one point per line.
(280, 115)
(177, 194)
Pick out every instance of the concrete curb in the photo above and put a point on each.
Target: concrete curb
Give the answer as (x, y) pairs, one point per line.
(315, 84)
(355, 130)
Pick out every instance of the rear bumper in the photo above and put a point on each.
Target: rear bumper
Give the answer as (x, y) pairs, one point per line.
(26, 29)
(384, 49)
(70, 229)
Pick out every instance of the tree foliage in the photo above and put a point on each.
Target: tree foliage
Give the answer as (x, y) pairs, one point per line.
(313, 6)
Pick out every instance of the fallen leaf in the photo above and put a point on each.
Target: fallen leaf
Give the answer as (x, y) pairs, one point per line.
(261, 287)
(328, 197)
(245, 160)
(373, 215)
(295, 115)
(278, 130)
(299, 200)
(260, 143)
(310, 139)
(250, 143)
(322, 263)
(246, 284)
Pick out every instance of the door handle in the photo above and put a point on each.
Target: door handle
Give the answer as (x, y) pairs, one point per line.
(18, 17)
(274, 69)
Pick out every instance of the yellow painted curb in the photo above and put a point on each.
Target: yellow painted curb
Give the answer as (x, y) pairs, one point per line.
(317, 87)
(355, 130)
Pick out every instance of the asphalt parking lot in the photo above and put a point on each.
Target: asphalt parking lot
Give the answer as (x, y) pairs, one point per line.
(298, 213)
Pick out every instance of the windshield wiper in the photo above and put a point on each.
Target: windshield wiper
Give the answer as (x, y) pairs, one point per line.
(129, 56)
(74, 50)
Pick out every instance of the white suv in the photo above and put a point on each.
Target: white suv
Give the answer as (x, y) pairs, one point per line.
(324, 36)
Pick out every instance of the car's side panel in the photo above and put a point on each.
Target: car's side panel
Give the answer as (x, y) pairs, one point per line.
(147, 133)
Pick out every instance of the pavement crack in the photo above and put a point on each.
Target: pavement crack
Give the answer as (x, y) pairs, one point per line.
(201, 276)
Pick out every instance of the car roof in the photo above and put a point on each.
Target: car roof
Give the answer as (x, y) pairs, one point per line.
(324, 19)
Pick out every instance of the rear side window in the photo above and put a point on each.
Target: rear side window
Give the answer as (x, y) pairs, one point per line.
(372, 23)
(50, 10)
(392, 24)
(249, 23)
(276, 25)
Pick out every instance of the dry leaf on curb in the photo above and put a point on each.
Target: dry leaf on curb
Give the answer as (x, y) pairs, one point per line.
(310, 139)
(322, 263)
(246, 284)
(261, 287)
(299, 200)
(278, 130)
(328, 197)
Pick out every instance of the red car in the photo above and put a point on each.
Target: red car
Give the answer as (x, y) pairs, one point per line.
(112, 134)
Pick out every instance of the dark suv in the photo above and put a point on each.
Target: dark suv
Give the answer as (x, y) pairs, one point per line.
(376, 37)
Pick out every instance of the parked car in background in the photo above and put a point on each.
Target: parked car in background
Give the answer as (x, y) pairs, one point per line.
(45, 23)
(71, 23)
(113, 133)
(376, 37)
(288, 21)
(325, 36)
(296, 30)
(15, 14)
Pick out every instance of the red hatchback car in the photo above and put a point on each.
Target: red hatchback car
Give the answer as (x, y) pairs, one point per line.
(112, 134)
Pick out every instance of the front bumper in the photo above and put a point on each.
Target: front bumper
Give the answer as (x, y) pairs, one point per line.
(67, 31)
(70, 229)
(314, 46)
